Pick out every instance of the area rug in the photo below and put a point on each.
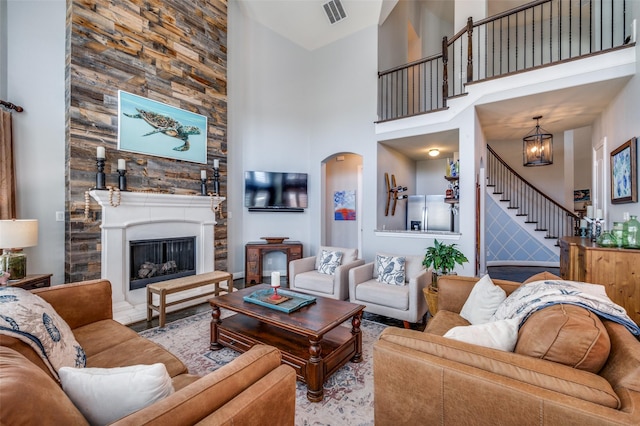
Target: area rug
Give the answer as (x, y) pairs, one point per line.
(348, 394)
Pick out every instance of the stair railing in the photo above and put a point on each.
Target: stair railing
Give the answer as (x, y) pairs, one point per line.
(530, 202)
(531, 36)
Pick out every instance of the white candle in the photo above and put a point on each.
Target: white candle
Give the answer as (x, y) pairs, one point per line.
(203, 174)
(275, 279)
(122, 164)
(100, 152)
(589, 211)
(583, 223)
(599, 214)
(216, 164)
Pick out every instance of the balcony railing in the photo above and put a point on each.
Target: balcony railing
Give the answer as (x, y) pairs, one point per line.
(535, 35)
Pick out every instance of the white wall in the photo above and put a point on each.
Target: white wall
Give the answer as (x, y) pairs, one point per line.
(34, 38)
(268, 129)
(342, 113)
(582, 158)
(618, 123)
(430, 177)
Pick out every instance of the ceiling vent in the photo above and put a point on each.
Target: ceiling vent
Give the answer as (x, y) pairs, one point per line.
(334, 10)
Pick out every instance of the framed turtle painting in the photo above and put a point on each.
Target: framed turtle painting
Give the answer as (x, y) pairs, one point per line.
(624, 185)
(154, 128)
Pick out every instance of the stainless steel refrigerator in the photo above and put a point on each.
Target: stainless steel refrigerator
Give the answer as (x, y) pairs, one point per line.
(428, 213)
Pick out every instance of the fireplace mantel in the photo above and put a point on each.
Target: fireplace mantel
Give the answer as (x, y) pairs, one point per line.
(149, 215)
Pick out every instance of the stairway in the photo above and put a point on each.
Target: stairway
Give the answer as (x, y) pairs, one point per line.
(536, 213)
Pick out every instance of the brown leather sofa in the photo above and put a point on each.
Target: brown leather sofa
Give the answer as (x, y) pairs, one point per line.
(253, 387)
(424, 378)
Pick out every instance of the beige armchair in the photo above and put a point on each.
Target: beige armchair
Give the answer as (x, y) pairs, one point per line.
(404, 302)
(305, 274)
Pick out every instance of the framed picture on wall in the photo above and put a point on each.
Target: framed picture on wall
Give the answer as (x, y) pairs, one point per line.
(344, 205)
(580, 195)
(149, 127)
(624, 173)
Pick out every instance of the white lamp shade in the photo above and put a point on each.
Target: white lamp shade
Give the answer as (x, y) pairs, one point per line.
(18, 233)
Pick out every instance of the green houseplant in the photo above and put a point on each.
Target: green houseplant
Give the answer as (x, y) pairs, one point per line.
(443, 258)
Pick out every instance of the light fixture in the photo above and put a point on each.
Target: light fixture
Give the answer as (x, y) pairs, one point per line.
(14, 236)
(537, 146)
(434, 152)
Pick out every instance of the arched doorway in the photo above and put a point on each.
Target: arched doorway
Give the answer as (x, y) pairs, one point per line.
(342, 201)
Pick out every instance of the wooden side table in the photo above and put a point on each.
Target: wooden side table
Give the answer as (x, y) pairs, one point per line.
(31, 282)
(255, 251)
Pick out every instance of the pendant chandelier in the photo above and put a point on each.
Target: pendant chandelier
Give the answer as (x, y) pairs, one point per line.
(537, 146)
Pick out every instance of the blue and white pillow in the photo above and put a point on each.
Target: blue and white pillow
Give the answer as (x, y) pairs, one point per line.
(390, 269)
(329, 261)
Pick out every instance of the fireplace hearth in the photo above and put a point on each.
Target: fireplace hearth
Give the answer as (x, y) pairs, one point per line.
(157, 260)
(152, 216)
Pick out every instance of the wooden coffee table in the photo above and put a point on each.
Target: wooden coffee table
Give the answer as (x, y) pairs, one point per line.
(311, 339)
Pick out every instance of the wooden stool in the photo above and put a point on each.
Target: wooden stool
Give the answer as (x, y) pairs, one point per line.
(164, 288)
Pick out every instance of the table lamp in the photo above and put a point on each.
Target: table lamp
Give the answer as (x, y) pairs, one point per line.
(14, 236)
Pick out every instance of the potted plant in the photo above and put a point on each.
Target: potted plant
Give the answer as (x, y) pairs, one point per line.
(443, 258)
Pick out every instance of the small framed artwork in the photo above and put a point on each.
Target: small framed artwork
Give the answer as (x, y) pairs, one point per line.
(624, 173)
(153, 128)
(580, 195)
(344, 205)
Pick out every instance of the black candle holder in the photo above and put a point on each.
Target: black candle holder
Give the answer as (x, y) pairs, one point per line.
(100, 178)
(122, 180)
(203, 186)
(216, 181)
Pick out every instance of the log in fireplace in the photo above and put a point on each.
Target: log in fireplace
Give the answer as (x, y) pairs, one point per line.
(157, 260)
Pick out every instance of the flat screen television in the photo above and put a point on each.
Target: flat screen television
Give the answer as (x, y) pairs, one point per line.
(275, 191)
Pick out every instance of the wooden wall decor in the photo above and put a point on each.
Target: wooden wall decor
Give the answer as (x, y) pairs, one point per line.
(392, 194)
(171, 51)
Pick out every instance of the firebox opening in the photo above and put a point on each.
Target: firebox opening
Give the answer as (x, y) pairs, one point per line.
(152, 261)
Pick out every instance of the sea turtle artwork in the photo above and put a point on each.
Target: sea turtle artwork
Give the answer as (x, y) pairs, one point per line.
(168, 126)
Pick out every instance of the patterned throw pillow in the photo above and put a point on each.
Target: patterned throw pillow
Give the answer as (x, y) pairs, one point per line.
(390, 269)
(329, 261)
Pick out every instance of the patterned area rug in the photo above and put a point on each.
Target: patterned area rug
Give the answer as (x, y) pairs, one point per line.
(348, 394)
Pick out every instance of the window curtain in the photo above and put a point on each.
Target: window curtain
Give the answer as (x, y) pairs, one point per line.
(7, 175)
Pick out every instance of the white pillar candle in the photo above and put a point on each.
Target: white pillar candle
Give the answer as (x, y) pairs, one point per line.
(275, 279)
(100, 152)
(122, 164)
(203, 174)
(216, 164)
(589, 211)
(599, 214)
(583, 223)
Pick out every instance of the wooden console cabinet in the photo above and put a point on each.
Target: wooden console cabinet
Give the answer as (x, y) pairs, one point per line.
(617, 269)
(254, 252)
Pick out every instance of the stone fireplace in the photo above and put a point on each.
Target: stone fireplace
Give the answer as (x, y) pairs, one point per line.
(151, 216)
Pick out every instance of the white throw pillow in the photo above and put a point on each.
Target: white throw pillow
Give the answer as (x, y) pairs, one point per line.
(483, 301)
(329, 261)
(104, 395)
(390, 269)
(501, 335)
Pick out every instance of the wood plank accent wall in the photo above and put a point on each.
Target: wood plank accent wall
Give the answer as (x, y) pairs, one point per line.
(171, 51)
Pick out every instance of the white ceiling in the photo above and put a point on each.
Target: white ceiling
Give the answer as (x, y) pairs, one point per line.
(305, 23)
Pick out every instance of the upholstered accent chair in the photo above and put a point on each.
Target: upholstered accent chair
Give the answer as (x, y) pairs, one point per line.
(326, 274)
(385, 291)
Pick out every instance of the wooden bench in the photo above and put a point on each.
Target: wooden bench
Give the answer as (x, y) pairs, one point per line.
(164, 288)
